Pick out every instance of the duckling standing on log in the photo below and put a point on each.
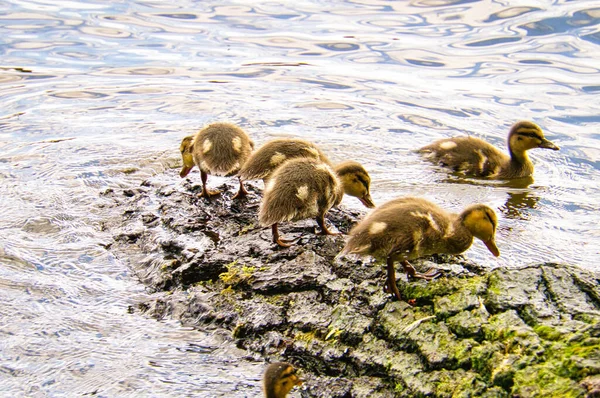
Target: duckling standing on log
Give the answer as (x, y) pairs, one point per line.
(263, 162)
(279, 378)
(475, 157)
(404, 229)
(220, 149)
(303, 188)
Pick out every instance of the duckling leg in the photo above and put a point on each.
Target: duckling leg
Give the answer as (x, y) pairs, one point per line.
(390, 284)
(205, 192)
(323, 226)
(278, 240)
(411, 272)
(241, 193)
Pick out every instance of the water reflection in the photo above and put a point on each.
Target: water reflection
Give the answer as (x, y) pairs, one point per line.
(519, 204)
(520, 197)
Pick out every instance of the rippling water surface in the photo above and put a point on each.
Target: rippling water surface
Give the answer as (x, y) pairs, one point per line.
(98, 94)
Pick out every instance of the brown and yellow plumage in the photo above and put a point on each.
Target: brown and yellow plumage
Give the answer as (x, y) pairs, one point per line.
(404, 229)
(220, 149)
(475, 157)
(272, 154)
(279, 378)
(304, 188)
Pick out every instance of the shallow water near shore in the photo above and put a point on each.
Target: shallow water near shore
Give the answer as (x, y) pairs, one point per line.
(98, 95)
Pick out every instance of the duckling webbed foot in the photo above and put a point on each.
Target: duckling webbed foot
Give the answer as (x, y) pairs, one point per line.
(241, 193)
(411, 272)
(324, 230)
(277, 239)
(206, 193)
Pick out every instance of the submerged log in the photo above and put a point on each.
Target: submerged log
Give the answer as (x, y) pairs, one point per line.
(527, 332)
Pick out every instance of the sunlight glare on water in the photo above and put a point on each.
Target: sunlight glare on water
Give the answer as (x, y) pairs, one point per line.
(98, 95)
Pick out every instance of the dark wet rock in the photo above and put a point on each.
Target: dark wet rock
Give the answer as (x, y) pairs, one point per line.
(524, 332)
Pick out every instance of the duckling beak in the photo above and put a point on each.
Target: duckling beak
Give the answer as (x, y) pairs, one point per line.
(491, 245)
(548, 145)
(185, 170)
(367, 201)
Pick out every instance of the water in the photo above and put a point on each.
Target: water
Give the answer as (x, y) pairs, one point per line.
(98, 94)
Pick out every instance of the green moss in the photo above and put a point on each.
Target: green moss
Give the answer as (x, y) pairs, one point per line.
(461, 352)
(306, 337)
(399, 388)
(237, 274)
(587, 318)
(573, 356)
(509, 328)
(548, 332)
(542, 381)
(228, 291)
(579, 360)
(482, 355)
(426, 291)
(458, 383)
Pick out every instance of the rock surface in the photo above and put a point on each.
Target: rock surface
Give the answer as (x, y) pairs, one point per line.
(527, 332)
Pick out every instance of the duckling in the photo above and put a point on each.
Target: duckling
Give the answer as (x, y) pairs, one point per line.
(355, 181)
(478, 158)
(220, 149)
(404, 229)
(279, 378)
(268, 157)
(303, 188)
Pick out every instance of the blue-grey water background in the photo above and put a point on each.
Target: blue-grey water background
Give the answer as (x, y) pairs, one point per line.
(98, 94)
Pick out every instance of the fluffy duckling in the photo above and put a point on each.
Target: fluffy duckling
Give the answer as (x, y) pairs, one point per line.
(478, 158)
(268, 157)
(404, 229)
(303, 188)
(279, 378)
(220, 149)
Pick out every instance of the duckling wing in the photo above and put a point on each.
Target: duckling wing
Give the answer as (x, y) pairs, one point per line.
(469, 155)
(404, 229)
(221, 149)
(271, 155)
(299, 189)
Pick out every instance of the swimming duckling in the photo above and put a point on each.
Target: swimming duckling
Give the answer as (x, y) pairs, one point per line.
(478, 158)
(269, 156)
(220, 149)
(279, 378)
(404, 229)
(303, 188)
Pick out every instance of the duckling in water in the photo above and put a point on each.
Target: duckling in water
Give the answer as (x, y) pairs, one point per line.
(475, 157)
(263, 162)
(220, 149)
(279, 378)
(404, 229)
(303, 188)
